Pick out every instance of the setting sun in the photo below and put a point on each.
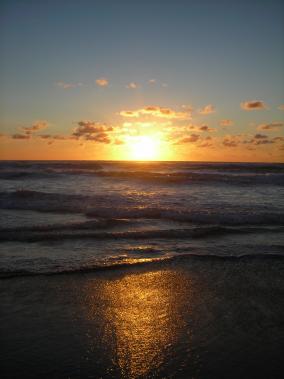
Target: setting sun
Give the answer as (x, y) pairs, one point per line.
(145, 148)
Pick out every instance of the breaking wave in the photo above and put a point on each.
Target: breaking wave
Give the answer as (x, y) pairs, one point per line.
(88, 231)
(116, 206)
(152, 262)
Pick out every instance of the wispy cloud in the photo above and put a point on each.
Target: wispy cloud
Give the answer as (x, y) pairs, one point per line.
(201, 128)
(207, 109)
(35, 127)
(270, 126)
(281, 107)
(152, 81)
(187, 108)
(65, 85)
(102, 82)
(260, 136)
(226, 122)
(21, 136)
(188, 139)
(132, 85)
(231, 141)
(155, 111)
(253, 105)
(118, 141)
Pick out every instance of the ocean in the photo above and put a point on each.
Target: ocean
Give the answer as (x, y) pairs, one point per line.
(81, 216)
(141, 270)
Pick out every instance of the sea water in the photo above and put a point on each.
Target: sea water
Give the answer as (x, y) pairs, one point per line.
(62, 216)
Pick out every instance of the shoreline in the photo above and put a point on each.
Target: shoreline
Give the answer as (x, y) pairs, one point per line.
(175, 319)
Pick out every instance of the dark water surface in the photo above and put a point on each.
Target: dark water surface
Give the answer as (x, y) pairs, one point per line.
(76, 216)
(186, 318)
(141, 270)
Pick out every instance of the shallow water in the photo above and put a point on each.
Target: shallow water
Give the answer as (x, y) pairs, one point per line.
(184, 318)
(76, 216)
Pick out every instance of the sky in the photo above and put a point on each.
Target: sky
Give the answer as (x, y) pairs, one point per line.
(160, 80)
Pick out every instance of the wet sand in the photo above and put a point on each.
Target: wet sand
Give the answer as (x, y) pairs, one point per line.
(189, 318)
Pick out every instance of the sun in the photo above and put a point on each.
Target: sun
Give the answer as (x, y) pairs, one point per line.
(144, 148)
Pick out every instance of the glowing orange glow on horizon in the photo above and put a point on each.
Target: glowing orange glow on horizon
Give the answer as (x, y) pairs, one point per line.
(144, 148)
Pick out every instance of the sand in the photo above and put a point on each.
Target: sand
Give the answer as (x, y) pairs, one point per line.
(190, 318)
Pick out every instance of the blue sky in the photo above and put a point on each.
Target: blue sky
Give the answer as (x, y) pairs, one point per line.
(199, 52)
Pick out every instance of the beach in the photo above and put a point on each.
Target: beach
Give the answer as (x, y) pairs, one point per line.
(193, 318)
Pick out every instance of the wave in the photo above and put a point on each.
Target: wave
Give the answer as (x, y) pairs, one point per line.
(191, 216)
(157, 177)
(151, 263)
(156, 172)
(41, 234)
(194, 177)
(117, 206)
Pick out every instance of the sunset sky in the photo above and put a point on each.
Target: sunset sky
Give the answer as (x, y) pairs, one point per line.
(159, 79)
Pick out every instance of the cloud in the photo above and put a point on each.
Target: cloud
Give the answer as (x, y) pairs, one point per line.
(260, 136)
(272, 126)
(152, 81)
(132, 85)
(263, 142)
(207, 109)
(118, 142)
(278, 139)
(155, 111)
(187, 108)
(92, 131)
(201, 128)
(253, 105)
(90, 127)
(99, 137)
(36, 126)
(21, 136)
(44, 136)
(281, 107)
(102, 82)
(65, 85)
(231, 141)
(226, 122)
(188, 139)
(129, 113)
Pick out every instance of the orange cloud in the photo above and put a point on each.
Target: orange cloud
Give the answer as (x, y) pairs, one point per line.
(132, 85)
(92, 131)
(90, 127)
(253, 105)
(226, 122)
(65, 85)
(156, 111)
(102, 82)
(21, 136)
(188, 139)
(281, 107)
(207, 109)
(38, 125)
(202, 128)
(270, 127)
(231, 141)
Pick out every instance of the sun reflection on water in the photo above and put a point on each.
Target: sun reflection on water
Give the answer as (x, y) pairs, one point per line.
(142, 320)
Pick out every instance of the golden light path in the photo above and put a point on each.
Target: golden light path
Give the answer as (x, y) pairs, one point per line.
(141, 319)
